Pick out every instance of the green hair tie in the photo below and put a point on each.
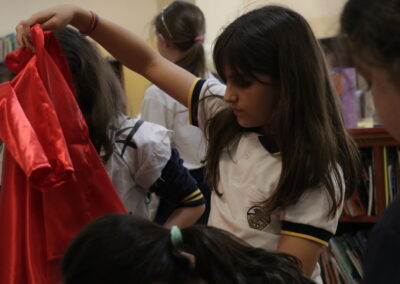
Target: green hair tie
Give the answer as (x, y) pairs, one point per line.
(176, 236)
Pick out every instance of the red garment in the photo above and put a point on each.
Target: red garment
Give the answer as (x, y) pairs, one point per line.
(53, 180)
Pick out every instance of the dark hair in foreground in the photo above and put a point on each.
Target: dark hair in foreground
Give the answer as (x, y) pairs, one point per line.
(97, 88)
(184, 21)
(127, 249)
(372, 29)
(306, 122)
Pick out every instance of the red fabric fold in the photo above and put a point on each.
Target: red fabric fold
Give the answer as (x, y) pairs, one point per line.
(53, 181)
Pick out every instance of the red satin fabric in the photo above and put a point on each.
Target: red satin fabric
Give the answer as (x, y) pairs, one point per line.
(53, 181)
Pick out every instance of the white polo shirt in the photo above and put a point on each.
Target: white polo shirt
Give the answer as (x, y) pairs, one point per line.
(137, 162)
(158, 107)
(249, 175)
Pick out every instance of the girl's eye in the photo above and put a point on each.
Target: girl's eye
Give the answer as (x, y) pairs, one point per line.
(242, 83)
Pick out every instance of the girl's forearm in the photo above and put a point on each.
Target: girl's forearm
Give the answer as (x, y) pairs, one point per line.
(139, 56)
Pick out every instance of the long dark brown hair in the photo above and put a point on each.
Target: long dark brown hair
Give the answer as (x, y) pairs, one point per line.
(184, 27)
(123, 249)
(307, 124)
(97, 88)
(371, 27)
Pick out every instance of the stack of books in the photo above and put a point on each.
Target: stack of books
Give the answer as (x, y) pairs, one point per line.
(341, 262)
(7, 44)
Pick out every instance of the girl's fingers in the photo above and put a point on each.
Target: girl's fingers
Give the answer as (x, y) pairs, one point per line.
(23, 35)
(50, 19)
(28, 43)
(18, 31)
(54, 18)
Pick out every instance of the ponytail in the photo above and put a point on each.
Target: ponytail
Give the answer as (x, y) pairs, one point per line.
(224, 258)
(183, 24)
(120, 248)
(194, 59)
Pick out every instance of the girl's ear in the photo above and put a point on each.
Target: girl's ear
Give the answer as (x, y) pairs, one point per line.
(162, 41)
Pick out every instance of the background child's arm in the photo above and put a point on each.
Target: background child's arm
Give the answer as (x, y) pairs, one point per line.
(185, 216)
(306, 251)
(124, 45)
(178, 187)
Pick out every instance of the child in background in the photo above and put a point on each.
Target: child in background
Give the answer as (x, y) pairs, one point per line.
(371, 29)
(279, 157)
(126, 249)
(137, 155)
(180, 30)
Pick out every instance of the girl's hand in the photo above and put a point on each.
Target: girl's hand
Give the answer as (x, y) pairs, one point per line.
(55, 18)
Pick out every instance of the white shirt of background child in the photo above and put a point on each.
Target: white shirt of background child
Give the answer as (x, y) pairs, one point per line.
(160, 108)
(134, 168)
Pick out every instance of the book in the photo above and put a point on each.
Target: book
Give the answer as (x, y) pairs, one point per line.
(345, 83)
(371, 191)
(385, 175)
(341, 261)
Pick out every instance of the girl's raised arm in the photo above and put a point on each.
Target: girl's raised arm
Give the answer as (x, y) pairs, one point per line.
(124, 45)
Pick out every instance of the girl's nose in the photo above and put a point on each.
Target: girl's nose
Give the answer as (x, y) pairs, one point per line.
(230, 95)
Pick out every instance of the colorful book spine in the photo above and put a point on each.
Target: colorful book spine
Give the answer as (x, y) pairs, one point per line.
(385, 175)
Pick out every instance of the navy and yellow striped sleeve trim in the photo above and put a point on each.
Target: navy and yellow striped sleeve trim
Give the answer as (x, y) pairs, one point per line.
(193, 100)
(194, 199)
(306, 232)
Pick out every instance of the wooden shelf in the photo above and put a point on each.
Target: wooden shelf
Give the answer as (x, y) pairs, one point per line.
(359, 219)
(370, 137)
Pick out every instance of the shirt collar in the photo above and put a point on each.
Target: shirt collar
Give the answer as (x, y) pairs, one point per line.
(266, 141)
(269, 144)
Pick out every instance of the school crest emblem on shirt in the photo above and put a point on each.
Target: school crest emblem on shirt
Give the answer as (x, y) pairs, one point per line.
(255, 220)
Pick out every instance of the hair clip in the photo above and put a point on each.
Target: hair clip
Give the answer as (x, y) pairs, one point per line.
(164, 24)
(199, 38)
(176, 236)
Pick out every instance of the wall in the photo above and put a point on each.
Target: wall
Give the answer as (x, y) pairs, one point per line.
(321, 14)
(125, 12)
(133, 14)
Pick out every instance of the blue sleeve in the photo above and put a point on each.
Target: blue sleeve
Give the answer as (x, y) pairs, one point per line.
(176, 185)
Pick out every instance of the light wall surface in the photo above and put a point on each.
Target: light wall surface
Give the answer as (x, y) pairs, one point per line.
(321, 14)
(133, 14)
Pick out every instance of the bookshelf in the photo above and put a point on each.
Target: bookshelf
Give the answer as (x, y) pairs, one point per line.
(341, 262)
(376, 139)
(359, 219)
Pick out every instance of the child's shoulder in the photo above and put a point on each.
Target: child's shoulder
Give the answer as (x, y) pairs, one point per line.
(154, 92)
(142, 132)
(209, 86)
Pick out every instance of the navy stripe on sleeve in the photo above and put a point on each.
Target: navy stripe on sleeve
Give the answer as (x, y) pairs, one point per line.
(306, 231)
(176, 184)
(194, 102)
